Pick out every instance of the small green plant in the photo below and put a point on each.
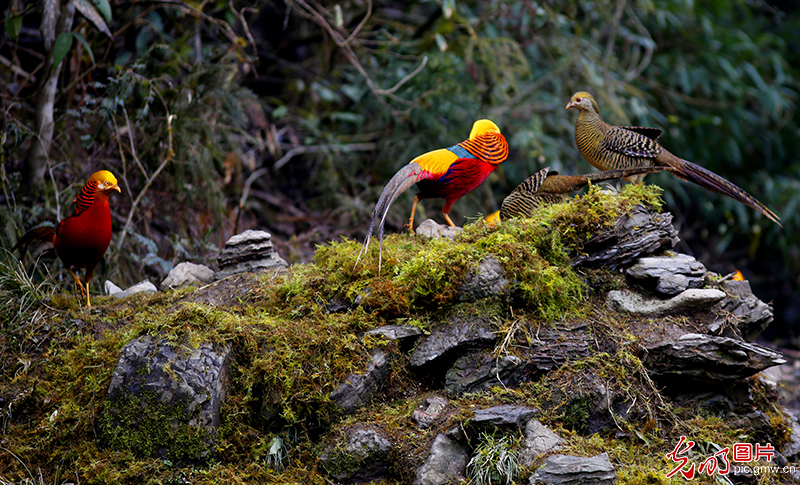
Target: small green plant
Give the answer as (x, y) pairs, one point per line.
(277, 456)
(495, 461)
(18, 291)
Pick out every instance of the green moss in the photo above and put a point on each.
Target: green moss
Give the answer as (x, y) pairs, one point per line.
(291, 351)
(144, 426)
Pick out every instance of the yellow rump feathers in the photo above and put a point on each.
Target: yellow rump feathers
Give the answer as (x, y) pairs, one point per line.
(436, 162)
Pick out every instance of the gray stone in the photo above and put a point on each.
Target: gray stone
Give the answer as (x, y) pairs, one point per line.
(396, 332)
(685, 302)
(557, 343)
(791, 450)
(154, 379)
(111, 288)
(504, 415)
(141, 287)
(672, 274)
(566, 469)
(639, 232)
(431, 409)
(247, 252)
(431, 228)
(451, 338)
(187, 274)
(771, 377)
(708, 358)
(362, 458)
(359, 389)
(750, 314)
(480, 371)
(539, 441)
(446, 463)
(488, 280)
(591, 403)
(672, 284)
(755, 422)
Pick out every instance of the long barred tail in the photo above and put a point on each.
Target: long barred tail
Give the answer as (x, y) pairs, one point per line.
(622, 173)
(400, 182)
(45, 234)
(713, 182)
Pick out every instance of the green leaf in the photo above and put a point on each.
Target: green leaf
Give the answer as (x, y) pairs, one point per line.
(13, 24)
(61, 47)
(90, 12)
(82, 40)
(104, 8)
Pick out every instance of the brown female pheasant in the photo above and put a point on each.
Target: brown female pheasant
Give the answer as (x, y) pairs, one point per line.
(617, 147)
(546, 187)
(82, 238)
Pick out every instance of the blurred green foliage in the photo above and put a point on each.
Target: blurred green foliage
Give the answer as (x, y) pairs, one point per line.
(291, 116)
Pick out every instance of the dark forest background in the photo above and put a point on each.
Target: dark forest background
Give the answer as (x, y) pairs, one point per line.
(290, 116)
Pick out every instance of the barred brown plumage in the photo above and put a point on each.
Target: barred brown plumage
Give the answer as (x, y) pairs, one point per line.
(619, 147)
(546, 187)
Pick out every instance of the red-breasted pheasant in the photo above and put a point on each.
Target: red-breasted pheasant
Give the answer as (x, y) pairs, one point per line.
(81, 239)
(447, 173)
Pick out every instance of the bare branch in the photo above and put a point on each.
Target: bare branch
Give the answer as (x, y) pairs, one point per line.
(353, 147)
(312, 13)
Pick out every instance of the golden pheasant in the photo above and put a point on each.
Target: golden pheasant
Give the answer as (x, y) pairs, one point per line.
(546, 187)
(609, 147)
(81, 239)
(447, 173)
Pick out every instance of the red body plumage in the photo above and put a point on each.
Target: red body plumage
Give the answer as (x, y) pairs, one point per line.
(447, 173)
(461, 178)
(81, 239)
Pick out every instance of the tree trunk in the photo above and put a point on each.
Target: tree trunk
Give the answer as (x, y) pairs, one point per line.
(36, 164)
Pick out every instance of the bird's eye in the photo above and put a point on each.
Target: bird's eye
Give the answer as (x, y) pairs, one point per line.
(578, 100)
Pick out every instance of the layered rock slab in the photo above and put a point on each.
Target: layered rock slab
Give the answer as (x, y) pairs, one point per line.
(164, 400)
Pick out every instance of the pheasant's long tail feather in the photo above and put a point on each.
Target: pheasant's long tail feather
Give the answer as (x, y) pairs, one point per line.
(711, 181)
(40, 233)
(625, 172)
(400, 182)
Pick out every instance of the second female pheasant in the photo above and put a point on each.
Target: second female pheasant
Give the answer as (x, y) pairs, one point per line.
(447, 173)
(609, 147)
(546, 187)
(81, 239)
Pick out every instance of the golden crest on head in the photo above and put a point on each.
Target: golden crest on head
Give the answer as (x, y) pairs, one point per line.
(105, 180)
(580, 98)
(483, 126)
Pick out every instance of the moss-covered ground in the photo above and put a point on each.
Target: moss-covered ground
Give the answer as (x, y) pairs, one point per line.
(297, 335)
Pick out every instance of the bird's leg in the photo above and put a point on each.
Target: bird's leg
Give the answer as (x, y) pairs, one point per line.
(84, 288)
(410, 224)
(78, 284)
(446, 212)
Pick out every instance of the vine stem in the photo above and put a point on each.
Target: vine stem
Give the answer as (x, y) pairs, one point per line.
(148, 183)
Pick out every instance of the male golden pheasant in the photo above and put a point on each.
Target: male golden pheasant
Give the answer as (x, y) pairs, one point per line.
(616, 147)
(546, 187)
(81, 239)
(447, 173)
